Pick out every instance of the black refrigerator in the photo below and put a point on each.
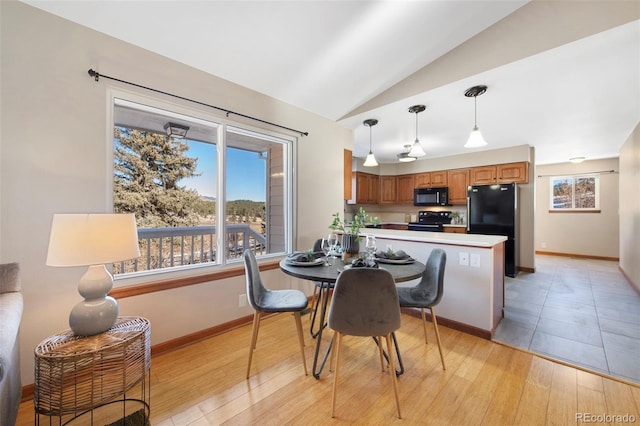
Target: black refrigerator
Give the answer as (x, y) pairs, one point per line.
(493, 210)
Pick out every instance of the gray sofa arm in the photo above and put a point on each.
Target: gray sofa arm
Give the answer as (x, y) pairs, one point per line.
(10, 278)
(11, 306)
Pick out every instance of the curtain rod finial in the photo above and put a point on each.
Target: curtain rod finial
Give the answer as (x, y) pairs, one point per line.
(94, 74)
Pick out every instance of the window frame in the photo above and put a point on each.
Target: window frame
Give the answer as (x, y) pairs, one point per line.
(223, 122)
(573, 209)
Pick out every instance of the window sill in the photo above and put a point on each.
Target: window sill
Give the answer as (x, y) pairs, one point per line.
(575, 211)
(169, 284)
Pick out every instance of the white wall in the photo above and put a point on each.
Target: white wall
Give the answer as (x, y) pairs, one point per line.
(590, 234)
(630, 207)
(55, 149)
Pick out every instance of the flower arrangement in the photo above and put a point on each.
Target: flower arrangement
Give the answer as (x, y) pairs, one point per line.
(360, 220)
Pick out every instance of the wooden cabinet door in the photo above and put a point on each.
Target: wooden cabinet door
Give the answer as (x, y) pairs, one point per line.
(513, 172)
(484, 175)
(374, 189)
(348, 156)
(439, 178)
(458, 180)
(404, 189)
(362, 188)
(387, 189)
(455, 230)
(422, 180)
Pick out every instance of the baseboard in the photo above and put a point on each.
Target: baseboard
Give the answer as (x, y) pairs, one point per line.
(579, 256)
(636, 286)
(465, 328)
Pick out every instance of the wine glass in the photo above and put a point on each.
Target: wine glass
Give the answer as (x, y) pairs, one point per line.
(370, 246)
(333, 243)
(326, 249)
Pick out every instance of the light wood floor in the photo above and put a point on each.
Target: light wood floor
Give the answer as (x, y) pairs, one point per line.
(485, 383)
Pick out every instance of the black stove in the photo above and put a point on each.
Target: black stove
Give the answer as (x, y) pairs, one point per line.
(431, 221)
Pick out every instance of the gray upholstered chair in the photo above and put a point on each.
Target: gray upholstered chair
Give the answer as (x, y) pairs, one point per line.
(364, 303)
(427, 293)
(271, 301)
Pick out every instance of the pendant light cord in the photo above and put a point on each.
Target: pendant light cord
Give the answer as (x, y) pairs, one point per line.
(370, 142)
(475, 112)
(96, 75)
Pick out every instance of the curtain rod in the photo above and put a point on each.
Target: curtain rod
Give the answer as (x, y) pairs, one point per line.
(602, 172)
(96, 75)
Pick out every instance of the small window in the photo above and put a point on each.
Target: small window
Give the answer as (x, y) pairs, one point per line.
(574, 194)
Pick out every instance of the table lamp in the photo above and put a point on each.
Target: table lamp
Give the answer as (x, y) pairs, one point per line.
(93, 240)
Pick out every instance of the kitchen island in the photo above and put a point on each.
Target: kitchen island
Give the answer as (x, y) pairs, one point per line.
(473, 297)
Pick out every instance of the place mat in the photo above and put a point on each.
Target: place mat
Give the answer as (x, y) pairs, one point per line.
(316, 262)
(395, 261)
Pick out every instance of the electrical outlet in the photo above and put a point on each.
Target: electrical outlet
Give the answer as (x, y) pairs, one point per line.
(464, 259)
(543, 245)
(242, 300)
(475, 260)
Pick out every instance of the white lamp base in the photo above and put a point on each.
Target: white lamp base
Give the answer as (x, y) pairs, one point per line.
(97, 312)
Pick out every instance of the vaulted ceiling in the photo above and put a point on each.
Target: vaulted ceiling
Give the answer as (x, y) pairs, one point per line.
(562, 76)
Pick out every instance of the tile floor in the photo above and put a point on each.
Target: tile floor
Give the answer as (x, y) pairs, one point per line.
(580, 311)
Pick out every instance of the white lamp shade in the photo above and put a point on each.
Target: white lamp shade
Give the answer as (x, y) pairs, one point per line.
(416, 150)
(92, 239)
(370, 161)
(475, 139)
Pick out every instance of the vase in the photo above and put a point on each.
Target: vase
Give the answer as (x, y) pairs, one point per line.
(350, 246)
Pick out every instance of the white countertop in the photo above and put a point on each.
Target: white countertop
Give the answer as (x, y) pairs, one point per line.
(474, 240)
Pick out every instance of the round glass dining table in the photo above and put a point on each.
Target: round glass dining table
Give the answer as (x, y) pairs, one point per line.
(325, 276)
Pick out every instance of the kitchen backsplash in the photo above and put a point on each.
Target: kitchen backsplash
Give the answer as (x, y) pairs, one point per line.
(399, 213)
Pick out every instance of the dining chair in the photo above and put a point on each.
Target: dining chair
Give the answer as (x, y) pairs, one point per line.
(364, 303)
(427, 293)
(263, 300)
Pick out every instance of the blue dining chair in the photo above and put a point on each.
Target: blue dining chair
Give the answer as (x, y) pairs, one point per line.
(263, 300)
(364, 303)
(427, 293)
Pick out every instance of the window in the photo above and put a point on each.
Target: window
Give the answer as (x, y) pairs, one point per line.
(202, 198)
(575, 193)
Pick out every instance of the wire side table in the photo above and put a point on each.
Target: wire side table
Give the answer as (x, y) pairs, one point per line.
(95, 378)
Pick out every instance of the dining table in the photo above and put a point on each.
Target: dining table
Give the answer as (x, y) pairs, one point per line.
(325, 276)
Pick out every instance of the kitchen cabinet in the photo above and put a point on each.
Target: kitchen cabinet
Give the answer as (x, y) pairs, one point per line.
(396, 226)
(458, 180)
(513, 172)
(348, 157)
(455, 229)
(500, 173)
(483, 175)
(430, 179)
(404, 189)
(439, 178)
(367, 188)
(387, 189)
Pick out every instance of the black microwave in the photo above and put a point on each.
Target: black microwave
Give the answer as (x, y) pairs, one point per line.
(431, 196)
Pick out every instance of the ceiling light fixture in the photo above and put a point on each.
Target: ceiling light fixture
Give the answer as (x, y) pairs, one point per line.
(475, 138)
(371, 160)
(403, 157)
(577, 160)
(176, 130)
(416, 149)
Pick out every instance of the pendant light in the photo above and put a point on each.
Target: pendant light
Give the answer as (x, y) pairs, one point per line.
(371, 160)
(416, 149)
(403, 157)
(475, 138)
